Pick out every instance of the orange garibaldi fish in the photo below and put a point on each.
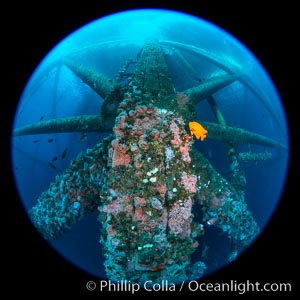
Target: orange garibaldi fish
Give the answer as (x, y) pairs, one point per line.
(198, 130)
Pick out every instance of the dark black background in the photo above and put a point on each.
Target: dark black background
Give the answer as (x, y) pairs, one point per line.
(30, 31)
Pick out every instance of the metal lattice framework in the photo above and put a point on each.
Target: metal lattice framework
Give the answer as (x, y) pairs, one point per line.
(146, 177)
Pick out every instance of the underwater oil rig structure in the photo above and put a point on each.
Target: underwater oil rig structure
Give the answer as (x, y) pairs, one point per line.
(146, 179)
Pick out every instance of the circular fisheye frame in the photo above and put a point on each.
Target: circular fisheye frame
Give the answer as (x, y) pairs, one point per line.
(149, 151)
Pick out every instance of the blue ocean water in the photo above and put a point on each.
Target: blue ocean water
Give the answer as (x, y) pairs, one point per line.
(54, 91)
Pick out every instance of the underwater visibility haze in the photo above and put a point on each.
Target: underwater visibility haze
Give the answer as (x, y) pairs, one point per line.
(150, 145)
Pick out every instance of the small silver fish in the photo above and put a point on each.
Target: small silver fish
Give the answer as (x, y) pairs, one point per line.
(64, 153)
(52, 166)
(83, 137)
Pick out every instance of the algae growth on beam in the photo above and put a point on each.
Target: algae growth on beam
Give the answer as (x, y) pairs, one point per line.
(85, 123)
(101, 84)
(210, 87)
(238, 136)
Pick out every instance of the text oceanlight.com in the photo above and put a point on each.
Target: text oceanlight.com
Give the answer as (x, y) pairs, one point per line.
(193, 286)
(240, 287)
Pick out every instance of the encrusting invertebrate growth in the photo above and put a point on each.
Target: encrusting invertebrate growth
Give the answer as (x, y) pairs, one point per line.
(154, 192)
